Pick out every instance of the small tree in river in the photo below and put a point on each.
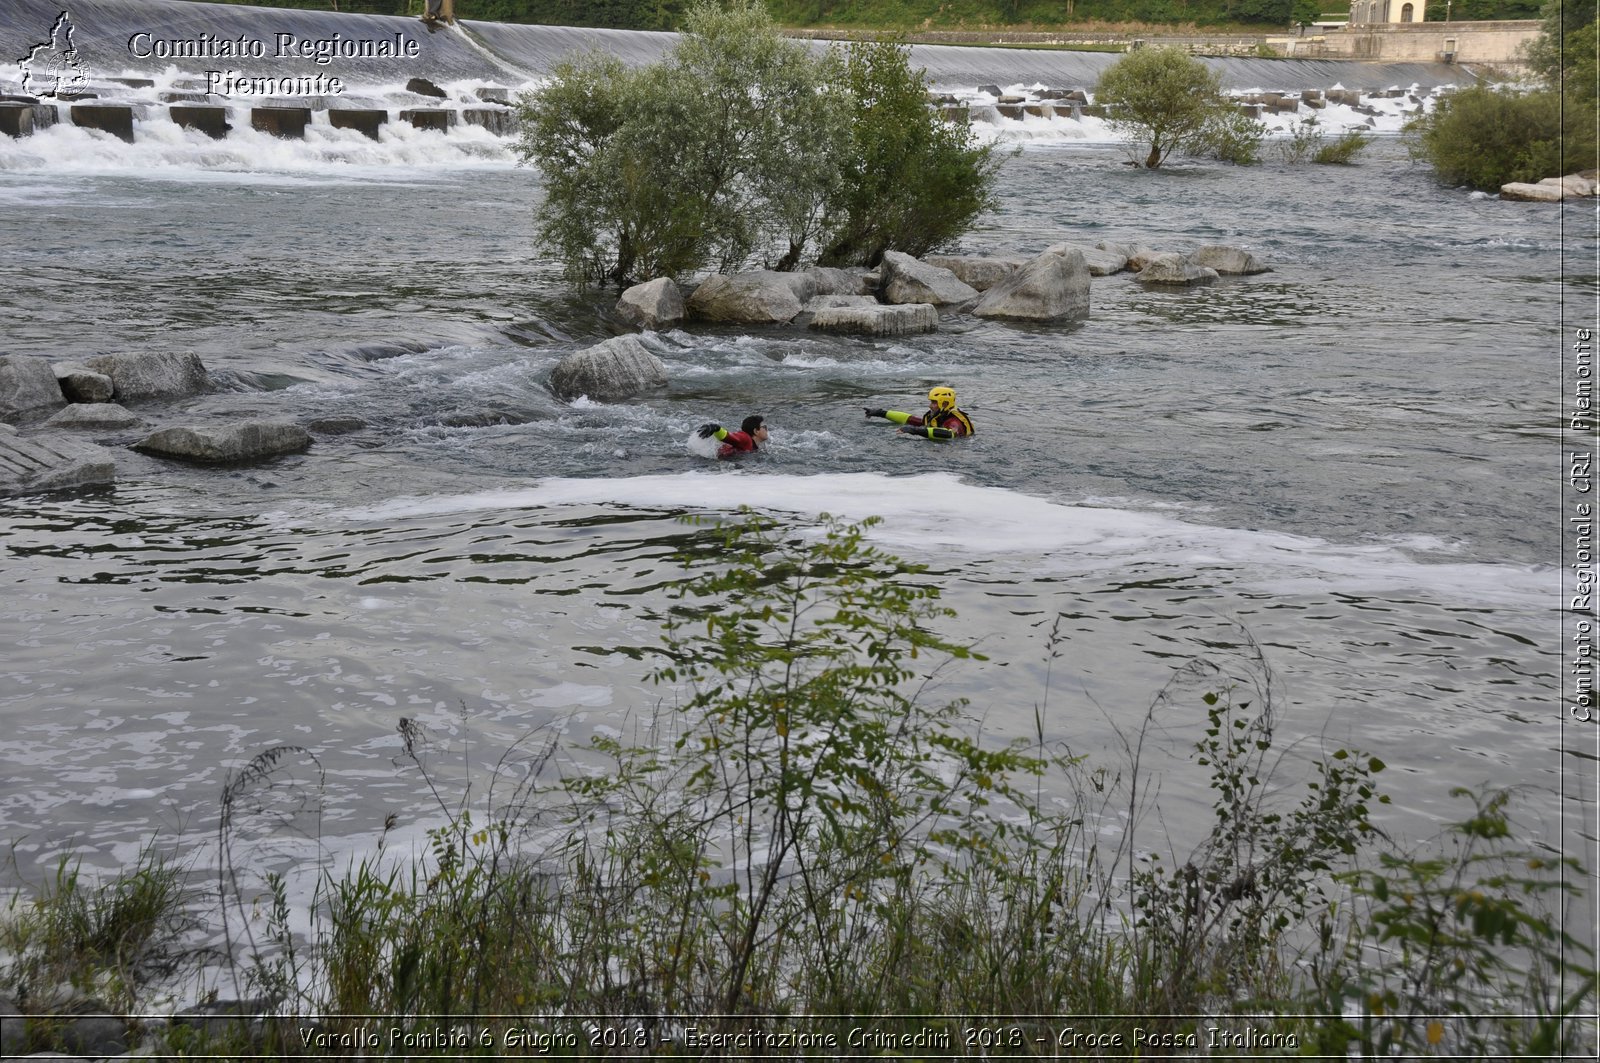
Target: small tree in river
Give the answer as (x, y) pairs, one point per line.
(1162, 97)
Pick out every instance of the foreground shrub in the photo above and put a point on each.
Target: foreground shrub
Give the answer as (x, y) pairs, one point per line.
(1463, 951)
(108, 939)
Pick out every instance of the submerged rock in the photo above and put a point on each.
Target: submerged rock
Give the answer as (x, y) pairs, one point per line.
(249, 441)
(616, 369)
(1173, 268)
(93, 415)
(1225, 259)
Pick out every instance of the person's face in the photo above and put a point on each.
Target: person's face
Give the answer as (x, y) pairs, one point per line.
(761, 434)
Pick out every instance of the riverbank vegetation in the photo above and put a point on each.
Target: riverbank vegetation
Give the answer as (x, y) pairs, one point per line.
(743, 146)
(803, 840)
(1487, 136)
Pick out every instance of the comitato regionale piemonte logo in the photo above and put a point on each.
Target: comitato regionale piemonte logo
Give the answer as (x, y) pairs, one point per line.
(52, 67)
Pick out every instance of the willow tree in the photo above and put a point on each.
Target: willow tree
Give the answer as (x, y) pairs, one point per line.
(1162, 97)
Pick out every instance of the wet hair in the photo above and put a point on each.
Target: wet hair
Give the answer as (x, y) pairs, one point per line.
(752, 424)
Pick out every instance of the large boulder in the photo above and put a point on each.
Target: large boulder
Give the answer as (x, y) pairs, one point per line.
(877, 320)
(1574, 184)
(832, 280)
(246, 441)
(979, 272)
(1225, 259)
(616, 369)
(79, 384)
(27, 383)
(1173, 268)
(1051, 287)
(908, 280)
(1102, 261)
(152, 374)
(761, 297)
(652, 305)
(50, 462)
(1540, 193)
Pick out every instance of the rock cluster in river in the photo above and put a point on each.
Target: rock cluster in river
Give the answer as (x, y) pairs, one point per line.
(1555, 189)
(90, 397)
(1051, 286)
(903, 295)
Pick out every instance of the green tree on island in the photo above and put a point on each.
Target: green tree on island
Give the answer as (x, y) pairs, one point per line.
(743, 146)
(1162, 97)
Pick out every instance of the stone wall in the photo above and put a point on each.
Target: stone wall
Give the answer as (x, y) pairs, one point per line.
(1482, 43)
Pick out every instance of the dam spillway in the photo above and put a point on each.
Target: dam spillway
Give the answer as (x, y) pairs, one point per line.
(118, 66)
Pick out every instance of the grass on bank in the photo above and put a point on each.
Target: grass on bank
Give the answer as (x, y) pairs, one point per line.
(803, 832)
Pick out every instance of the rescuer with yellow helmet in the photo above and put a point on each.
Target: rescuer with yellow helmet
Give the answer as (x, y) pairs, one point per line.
(944, 420)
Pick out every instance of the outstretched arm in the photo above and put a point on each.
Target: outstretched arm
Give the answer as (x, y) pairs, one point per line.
(897, 416)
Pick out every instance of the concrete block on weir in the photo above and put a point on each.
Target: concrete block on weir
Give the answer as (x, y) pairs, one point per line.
(497, 120)
(366, 121)
(429, 118)
(286, 122)
(16, 119)
(113, 118)
(210, 119)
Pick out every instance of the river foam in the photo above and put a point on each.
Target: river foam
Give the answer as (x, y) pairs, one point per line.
(1065, 537)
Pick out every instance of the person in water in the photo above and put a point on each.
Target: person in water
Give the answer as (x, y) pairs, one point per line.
(751, 432)
(944, 420)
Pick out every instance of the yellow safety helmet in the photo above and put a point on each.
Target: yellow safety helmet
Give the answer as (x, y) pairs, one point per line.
(942, 399)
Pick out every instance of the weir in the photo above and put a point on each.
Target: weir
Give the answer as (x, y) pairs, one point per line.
(111, 53)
